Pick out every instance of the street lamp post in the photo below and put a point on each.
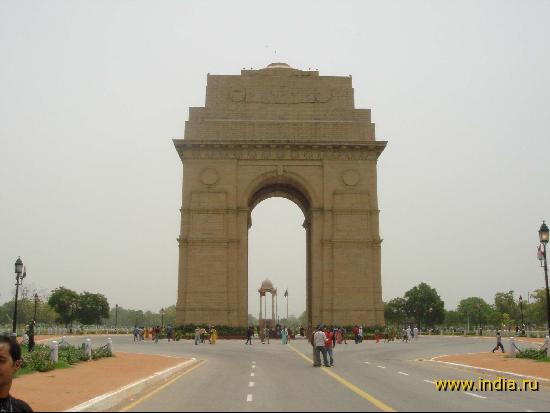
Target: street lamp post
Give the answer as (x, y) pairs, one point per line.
(20, 274)
(35, 306)
(116, 316)
(479, 318)
(162, 317)
(543, 237)
(521, 310)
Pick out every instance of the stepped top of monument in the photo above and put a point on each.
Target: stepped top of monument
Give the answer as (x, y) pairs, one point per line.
(278, 65)
(279, 102)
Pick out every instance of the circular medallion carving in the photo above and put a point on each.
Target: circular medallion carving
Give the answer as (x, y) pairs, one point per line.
(351, 177)
(209, 176)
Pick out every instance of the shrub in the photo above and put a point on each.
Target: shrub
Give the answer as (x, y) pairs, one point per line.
(539, 355)
(38, 360)
(101, 352)
(71, 354)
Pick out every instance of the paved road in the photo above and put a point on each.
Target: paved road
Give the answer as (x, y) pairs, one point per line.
(366, 377)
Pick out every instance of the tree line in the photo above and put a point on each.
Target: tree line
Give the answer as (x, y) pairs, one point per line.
(423, 306)
(65, 307)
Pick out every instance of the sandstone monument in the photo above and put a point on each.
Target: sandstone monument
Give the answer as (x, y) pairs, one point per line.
(283, 132)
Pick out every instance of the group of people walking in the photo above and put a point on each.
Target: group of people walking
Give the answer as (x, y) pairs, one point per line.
(266, 333)
(143, 333)
(203, 334)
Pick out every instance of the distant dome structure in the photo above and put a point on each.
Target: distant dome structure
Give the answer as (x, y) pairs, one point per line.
(278, 65)
(267, 285)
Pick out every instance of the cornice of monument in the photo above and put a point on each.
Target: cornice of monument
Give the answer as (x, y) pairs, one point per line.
(278, 150)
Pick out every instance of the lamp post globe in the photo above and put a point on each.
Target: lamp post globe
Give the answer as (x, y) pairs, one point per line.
(18, 266)
(544, 233)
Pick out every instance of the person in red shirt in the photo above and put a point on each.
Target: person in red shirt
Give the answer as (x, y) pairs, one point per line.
(329, 343)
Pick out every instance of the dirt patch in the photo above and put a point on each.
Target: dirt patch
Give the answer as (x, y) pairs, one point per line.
(500, 362)
(59, 390)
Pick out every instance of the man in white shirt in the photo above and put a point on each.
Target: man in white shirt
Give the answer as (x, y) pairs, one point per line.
(319, 339)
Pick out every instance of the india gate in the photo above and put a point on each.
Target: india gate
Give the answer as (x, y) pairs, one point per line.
(280, 132)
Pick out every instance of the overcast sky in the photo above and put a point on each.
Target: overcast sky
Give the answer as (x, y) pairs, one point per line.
(91, 94)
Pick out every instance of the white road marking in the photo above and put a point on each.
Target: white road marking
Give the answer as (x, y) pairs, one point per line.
(428, 381)
(381, 367)
(404, 374)
(366, 362)
(251, 384)
(252, 374)
(474, 395)
(249, 398)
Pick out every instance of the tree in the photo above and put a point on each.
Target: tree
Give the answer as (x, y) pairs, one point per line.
(92, 308)
(453, 319)
(395, 311)
(476, 310)
(505, 304)
(252, 321)
(424, 304)
(65, 304)
(535, 311)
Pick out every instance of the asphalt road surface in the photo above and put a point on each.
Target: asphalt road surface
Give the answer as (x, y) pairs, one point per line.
(231, 376)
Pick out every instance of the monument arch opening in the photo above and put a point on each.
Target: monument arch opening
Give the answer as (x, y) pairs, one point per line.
(277, 251)
(280, 131)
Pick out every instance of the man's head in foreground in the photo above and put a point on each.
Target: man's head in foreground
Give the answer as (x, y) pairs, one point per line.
(10, 362)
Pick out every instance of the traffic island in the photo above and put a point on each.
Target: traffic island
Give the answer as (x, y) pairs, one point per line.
(96, 385)
(499, 364)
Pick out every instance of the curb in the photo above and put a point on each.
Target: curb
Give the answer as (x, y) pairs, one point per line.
(546, 382)
(111, 399)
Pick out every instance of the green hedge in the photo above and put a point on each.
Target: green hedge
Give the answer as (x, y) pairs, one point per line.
(538, 355)
(188, 331)
(39, 359)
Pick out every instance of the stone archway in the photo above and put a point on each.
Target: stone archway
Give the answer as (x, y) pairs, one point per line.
(279, 131)
(285, 187)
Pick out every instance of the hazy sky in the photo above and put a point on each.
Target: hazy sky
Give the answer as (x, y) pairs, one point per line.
(92, 92)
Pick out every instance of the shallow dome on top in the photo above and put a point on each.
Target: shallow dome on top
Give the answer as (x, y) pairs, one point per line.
(278, 66)
(267, 285)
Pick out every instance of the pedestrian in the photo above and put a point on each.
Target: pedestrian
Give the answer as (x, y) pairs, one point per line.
(249, 334)
(408, 332)
(284, 335)
(197, 335)
(360, 333)
(499, 343)
(415, 333)
(10, 362)
(213, 335)
(136, 334)
(329, 345)
(319, 339)
(266, 334)
(339, 336)
(157, 334)
(334, 331)
(355, 331)
(170, 332)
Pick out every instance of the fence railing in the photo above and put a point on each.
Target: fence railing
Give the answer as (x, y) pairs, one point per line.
(63, 331)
